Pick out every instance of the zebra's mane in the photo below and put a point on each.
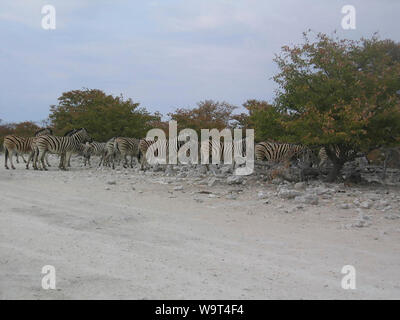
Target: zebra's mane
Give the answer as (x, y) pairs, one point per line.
(70, 132)
(44, 129)
(73, 131)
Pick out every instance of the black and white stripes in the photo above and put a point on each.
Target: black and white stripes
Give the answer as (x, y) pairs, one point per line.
(127, 147)
(14, 144)
(94, 149)
(64, 146)
(277, 152)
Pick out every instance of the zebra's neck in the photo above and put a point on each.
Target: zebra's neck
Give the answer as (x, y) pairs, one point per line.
(77, 138)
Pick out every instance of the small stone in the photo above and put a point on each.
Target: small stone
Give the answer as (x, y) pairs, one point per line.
(381, 204)
(344, 206)
(307, 199)
(226, 170)
(234, 180)
(261, 195)
(277, 181)
(112, 182)
(320, 191)
(212, 182)
(392, 216)
(361, 224)
(178, 188)
(366, 204)
(288, 194)
(300, 186)
(231, 197)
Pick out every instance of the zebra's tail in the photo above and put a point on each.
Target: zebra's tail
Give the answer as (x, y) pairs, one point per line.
(116, 146)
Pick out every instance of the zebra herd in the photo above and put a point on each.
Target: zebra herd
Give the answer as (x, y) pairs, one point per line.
(78, 141)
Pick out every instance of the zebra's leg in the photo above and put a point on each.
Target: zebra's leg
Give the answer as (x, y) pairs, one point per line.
(142, 163)
(125, 165)
(63, 161)
(16, 155)
(36, 160)
(22, 156)
(101, 160)
(112, 161)
(69, 161)
(47, 160)
(29, 159)
(11, 159)
(6, 154)
(131, 161)
(41, 156)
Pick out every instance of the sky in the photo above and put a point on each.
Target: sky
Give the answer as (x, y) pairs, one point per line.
(165, 54)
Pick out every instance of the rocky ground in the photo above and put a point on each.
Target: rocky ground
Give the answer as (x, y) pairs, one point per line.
(187, 233)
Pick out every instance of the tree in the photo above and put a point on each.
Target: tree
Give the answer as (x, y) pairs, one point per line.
(265, 119)
(104, 116)
(25, 129)
(340, 94)
(208, 115)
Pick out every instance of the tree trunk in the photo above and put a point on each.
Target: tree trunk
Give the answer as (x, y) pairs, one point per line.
(335, 171)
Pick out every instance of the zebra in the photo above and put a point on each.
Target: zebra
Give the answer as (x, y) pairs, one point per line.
(64, 146)
(14, 144)
(110, 153)
(324, 159)
(222, 151)
(42, 132)
(69, 134)
(127, 146)
(95, 148)
(162, 146)
(277, 152)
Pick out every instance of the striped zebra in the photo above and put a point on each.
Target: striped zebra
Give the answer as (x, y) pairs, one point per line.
(110, 153)
(153, 148)
(127, 146)
(64, 146)
(277, 152)
(36, 150)
(324, 159)
(14, 144)
(222, 152)
(81, 149)
(94, 149)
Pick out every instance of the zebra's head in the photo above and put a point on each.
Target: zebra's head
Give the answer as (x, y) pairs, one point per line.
(82, 135)
(306, 156)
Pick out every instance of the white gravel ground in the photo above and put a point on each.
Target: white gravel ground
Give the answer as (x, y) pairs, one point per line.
(125, 234)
